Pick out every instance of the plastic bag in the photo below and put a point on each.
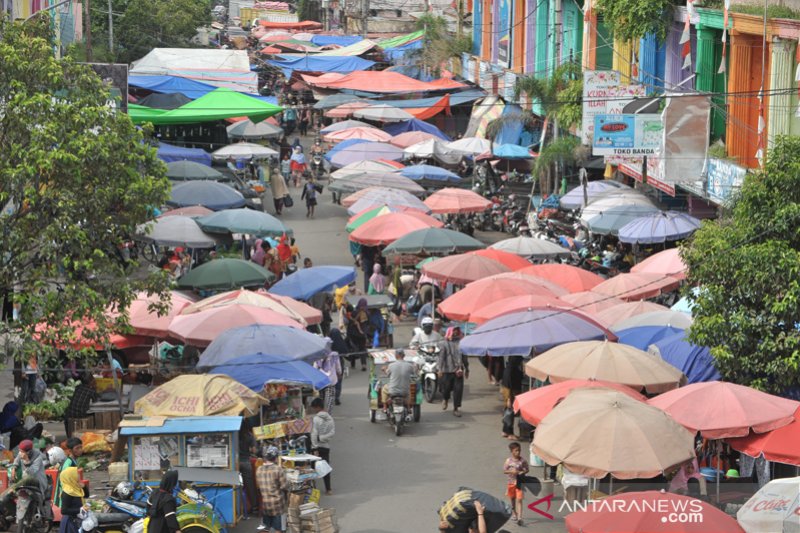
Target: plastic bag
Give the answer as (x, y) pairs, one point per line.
(88, 520)
(323, 468)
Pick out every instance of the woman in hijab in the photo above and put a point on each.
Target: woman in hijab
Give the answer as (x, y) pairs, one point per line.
(73, 491)
(298, 165)
(377, 282)
(357, 323)
(284, 250)
(258, 253)
(280, 191)
(340, 347)
(162, 509)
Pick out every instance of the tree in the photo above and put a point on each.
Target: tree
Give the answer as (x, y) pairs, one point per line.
(747, 265)
(631, 19)
(440, 46)
(76, 178)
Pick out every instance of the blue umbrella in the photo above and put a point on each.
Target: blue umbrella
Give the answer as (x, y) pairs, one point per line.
(282, 341)
(415, 125)
(659, 227)
(643, 336)
(210, 194)
(595, 189)
(258, 369)
(614, 218)
(418, 172)
(342, 145)
(696, 362)
(532, 331)
(511, 151)
(307, 282)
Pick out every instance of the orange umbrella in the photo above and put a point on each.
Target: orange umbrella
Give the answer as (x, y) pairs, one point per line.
(368, 134)
(779, 445)
(242, 296)
(514, 304)
(475, 295)
(77, 340)
(620, 312)
(535, 404)
(570, 277)
(388, 228)
(637, 286)
(667, 263)
(199, 329)
(513, 262)
(408, 138)
(450, 200)
(149, 323)
(345, 110)
(463, 268)
(549, 285)
(590, 302)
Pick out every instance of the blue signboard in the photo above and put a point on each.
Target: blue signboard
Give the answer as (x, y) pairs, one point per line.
(724, 179)
(627, 135)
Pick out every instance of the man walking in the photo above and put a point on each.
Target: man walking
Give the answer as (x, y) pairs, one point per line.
(322, 431)
(274, 488)
(453, 370)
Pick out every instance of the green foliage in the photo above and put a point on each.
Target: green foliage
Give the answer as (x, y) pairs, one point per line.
(440, 45)
(562, 150)
(748, 267)
(632, 19)
(76, 178)
(308, 10)
(560, 95)
(774, 11)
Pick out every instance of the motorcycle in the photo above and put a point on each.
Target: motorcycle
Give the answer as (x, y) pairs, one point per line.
(398, 413)
(428, 372)
(34, 512)
(316, 166)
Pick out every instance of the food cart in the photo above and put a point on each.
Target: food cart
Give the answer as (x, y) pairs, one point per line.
(203, 449)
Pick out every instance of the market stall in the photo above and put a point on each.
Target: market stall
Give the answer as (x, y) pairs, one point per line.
(203, 449)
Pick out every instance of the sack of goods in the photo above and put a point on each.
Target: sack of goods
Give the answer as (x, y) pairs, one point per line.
(459, 511)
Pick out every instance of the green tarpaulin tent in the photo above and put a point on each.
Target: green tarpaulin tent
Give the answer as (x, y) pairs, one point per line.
(219, 104)
(400, 40)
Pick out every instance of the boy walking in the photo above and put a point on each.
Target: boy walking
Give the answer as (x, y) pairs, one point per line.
(274, 489)
(513, 467)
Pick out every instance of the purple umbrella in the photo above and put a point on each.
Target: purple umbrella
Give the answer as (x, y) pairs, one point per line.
(594, 190)
(658, 227)
(366, 151)
(533, 331)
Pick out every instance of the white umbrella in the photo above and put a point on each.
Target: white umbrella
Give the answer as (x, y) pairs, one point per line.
(774, 508)
(363, 166)
(343, 125)
(383, 113)
(614, 199)
(435, 149)
(471, 145)
(531, 247)
(176, 231)
(247, 129)
(244, 151)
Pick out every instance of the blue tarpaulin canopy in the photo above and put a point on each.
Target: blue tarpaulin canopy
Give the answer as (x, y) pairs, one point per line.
(643, 336)
(309, 63)
(511, 151)
(430, 172)
(341, 40)
(307, 282)
(415, 125)
(175, 84)
(510, 132)
(696, 362)
(169, 153)
(399, 52)
(256, 370)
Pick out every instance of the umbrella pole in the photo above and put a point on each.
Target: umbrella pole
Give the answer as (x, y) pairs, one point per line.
(717, 472)
(610, 485)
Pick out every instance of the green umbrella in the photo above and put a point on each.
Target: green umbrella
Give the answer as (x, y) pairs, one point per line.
(433, 241)
(224, 274)
(243, 220)
(424, 262)
(366, 216)
(189, 170)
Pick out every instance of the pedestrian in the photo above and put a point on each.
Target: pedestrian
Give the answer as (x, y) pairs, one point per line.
(514, 467)
(279, 190)
(310, 195)
(453, 369)
(477, 526)
(322, 430)
(377, 281)
(330, 365)
(511, 386)
(298, 165)
(247, 449)
(73, 452)
(74, 490)
(260, 251)
(161, 506)
(30, 375)
(78, 407)
(295, 250)
(273, 486)
(303, 120)
(339, 346)
(357, 329)
(290, 119)
(286, 166)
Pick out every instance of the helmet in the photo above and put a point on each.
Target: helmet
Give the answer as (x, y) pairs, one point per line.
(56, 456)
(124, 490)
(272, 453)
(427, 320)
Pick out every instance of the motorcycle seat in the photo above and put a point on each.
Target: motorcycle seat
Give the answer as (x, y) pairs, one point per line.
(137, 503)
(111, 518)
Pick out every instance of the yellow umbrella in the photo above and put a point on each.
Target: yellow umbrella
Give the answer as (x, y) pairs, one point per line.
(199, 395)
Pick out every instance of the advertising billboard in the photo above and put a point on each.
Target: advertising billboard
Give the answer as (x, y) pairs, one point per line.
(627, 135)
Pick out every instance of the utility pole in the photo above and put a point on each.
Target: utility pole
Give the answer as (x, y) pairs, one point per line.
(364, 17)
(110, 31)
(460, 19)
(559, 32)
(87, 18)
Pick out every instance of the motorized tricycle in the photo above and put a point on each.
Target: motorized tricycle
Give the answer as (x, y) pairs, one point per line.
(402, 409)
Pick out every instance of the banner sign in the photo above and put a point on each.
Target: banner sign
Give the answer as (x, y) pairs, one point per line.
(724, 179)
(604, 95)
(627, 135)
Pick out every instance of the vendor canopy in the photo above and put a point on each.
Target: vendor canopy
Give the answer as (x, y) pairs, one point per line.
(317, 63)
(222, 68)
(384, 82)
(169, 153)
(216, 105)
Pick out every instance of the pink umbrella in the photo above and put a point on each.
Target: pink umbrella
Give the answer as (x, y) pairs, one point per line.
(450, 200)
(199, 329)
(590, 302)
(666, 263)
(345, 110)
(621, 312)
(147, 322)
(570, 277)
(193, 211)
(311, 315)
(246, 297)
(404, 140)
(463, 268)
(547, 284)
(477, 294)
(637, 286)
(718, 409)
(388, 228)
(513, 304)
(368, 134)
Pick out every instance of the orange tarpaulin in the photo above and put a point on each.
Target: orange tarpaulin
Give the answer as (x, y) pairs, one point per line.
(383, 81)
(424, 113)
(304, 25)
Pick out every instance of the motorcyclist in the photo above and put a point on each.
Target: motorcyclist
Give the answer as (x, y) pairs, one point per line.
(29, 467)
(400, 374)
(426, 337)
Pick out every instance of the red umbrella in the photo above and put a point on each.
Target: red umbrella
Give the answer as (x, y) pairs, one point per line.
(667, 263)
(637, 286)
(149, 323)
(199, 329)
(718, 409)
(623, 311)
(651, 512)
(535, 404)
(513, 304)
(475, 295)
(369, 134)
(388, 228)
(779, 445)
(450, 200)
(463, 268)
(77, 341)
(570, 277)
(512, 261)
(590, 302)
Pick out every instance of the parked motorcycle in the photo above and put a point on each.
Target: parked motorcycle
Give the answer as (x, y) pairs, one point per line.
(34, 510)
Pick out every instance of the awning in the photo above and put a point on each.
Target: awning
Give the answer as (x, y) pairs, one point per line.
(385, 82)
(340, 40)
(355, 49)
(303, 25)
(318, 63)
(190, 88)
(221, 68)
(216, 105)
(400, 40)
